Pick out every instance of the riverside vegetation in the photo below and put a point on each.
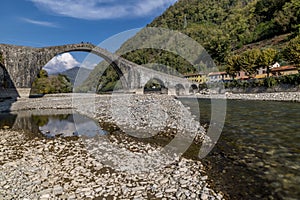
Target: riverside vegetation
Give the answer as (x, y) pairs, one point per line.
(45, 84)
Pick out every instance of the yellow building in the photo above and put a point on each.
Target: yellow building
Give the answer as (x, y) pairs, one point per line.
(198, 77)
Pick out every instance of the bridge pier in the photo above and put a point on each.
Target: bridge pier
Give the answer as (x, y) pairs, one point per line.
(172, 91)
(9, 93)
(139, 91)
(24, 92)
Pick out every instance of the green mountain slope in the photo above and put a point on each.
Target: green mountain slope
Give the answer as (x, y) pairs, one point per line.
(220, 26)
(225, 25)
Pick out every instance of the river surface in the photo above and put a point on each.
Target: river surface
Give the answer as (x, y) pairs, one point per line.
(258, 153)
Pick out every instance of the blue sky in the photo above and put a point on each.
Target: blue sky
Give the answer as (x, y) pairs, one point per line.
(41, 23)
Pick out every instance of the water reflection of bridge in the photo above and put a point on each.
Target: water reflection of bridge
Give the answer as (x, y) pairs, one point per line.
(25, 120)
(50, 123)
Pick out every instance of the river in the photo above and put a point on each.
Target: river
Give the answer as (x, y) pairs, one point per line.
(256, 157)
(258, 153)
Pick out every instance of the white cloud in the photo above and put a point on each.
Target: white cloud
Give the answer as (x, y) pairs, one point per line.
(61, 63)
(40, 23)
(89, 64)
(103, 9)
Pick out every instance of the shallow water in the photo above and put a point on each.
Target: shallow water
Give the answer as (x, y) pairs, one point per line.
(64, 123)
(258, 153)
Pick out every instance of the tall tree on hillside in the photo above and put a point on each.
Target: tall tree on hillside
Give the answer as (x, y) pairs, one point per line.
(266, 8)
(267, 58)
(233, 65)
(249, 61)
(292, 51)
(219, 48)
(289, 17)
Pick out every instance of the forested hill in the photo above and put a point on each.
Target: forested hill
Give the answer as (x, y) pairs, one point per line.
(225, 25)
(220, 26)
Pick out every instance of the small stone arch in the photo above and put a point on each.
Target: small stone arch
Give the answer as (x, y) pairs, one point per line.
(155, 85)
(180, 90)
(193, 89)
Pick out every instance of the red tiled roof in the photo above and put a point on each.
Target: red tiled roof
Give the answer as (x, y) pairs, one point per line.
(216, 73)
(194, 74)
(283, 68)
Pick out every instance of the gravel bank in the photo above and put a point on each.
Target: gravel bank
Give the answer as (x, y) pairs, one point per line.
(106, 167)
(278, 96)
(65, 169)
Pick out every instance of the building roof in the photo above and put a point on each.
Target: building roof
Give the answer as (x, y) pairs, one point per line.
(283, 68)
(216, 73)
(194, 74)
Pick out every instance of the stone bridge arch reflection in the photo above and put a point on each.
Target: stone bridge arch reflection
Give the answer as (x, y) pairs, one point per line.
(50, 123)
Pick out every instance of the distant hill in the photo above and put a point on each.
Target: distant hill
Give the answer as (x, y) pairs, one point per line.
(220, 26)
(71, 74)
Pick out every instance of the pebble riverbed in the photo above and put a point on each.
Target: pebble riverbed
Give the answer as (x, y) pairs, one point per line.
(105, 167)
(272, 96)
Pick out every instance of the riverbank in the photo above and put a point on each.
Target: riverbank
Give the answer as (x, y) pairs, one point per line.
(66, 169)
(109, 166)
(276, 96)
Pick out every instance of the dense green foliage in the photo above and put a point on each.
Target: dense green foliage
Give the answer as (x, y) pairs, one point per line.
(221, 27)
(292, 51)
(45, 84)
(224, 25)
(164, 58)
(250, 60)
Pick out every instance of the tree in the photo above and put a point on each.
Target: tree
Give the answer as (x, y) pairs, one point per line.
(289, 17)
(292, 51)
(45, 84)
(43, 74)
(233, 65)
(249, 61)
(267, 58)
(219, 48)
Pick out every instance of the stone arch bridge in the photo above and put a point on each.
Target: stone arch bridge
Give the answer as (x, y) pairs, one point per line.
(20, 66)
